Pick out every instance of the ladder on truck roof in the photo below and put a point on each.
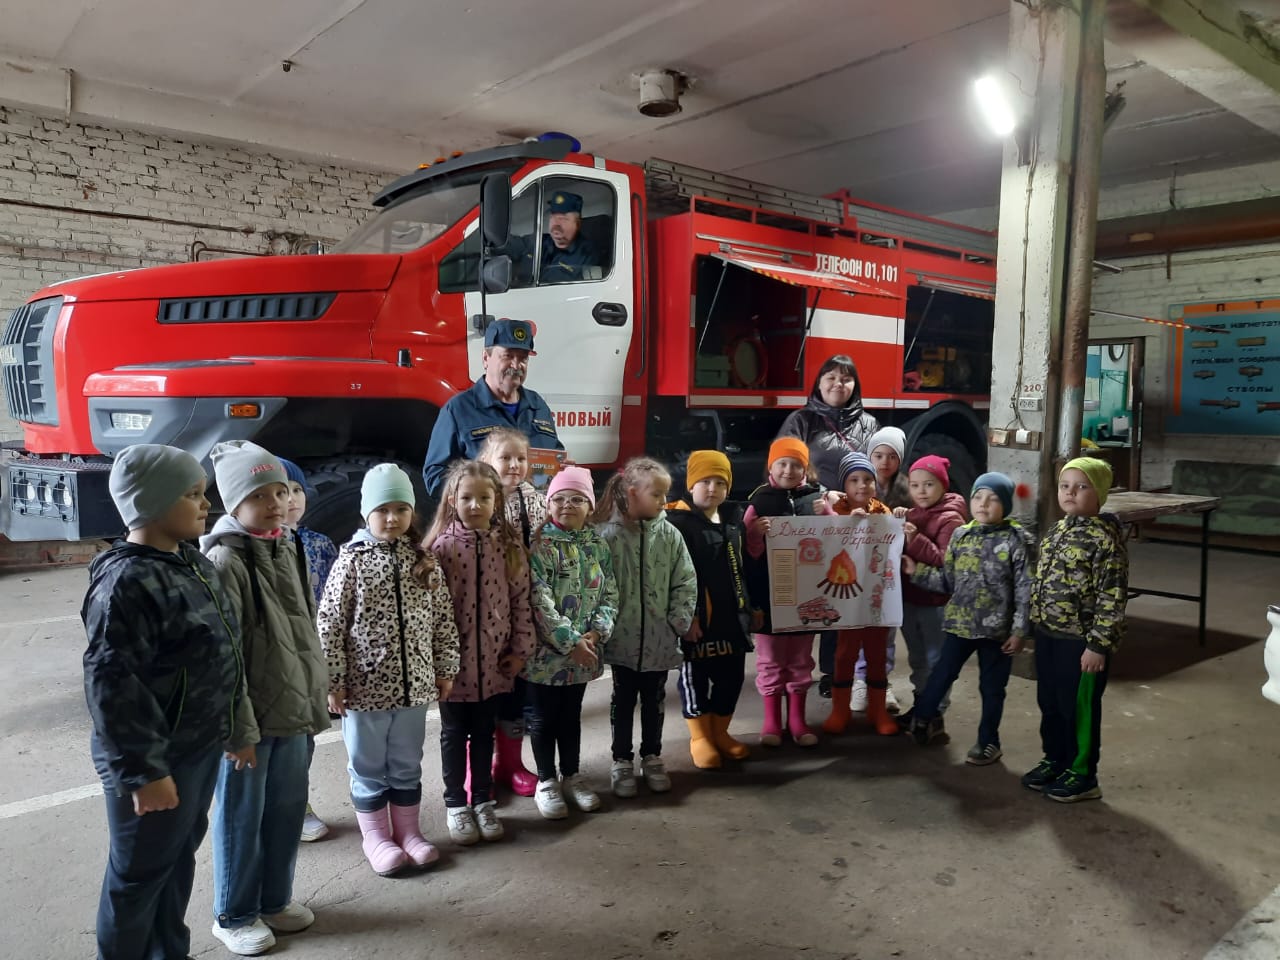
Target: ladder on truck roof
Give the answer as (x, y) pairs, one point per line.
(673, 185)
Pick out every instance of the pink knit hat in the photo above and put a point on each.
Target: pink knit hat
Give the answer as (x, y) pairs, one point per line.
(936, 465)
(577, 479)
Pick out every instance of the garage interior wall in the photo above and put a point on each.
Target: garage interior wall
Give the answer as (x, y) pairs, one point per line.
(163, 195)
(1149, 285)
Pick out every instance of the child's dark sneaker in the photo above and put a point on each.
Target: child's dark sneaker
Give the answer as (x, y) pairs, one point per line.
(905, 719)
(824, 686)
(924, 732)
(981, 754)
(1041, 775)
(1072, 788)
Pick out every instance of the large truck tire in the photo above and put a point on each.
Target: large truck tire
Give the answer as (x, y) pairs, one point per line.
(964, 468)
(333, 508)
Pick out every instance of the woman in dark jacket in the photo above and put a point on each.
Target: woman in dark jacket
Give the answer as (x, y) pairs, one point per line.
(833, 422)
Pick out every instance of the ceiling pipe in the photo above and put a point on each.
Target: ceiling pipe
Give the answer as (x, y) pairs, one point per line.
(1195, 228)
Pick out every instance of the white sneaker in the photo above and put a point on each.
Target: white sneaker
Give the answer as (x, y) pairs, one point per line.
(891, 702)
(487, 820)
(247, 941)
(462, 825)
(655, 774)
(291, 919)
(622, 778)
(550, 800)
(584, 798)
(313, 828)
(858, 702)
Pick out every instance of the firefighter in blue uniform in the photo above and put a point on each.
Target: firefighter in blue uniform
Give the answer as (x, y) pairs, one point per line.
(498, 399)
(566, 253)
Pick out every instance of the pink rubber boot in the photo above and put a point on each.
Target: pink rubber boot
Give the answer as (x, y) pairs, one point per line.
(800, 732)
(771, 730)
(380, 850)
(508, 764)
(407, 832)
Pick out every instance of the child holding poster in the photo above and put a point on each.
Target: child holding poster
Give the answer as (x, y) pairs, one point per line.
(858, 478)
(784, 661)
(934, 515)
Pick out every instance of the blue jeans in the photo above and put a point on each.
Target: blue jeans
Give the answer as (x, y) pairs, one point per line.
(384, 756)
(994, 667)
(152, 863)
(257, 821)
(922, 629)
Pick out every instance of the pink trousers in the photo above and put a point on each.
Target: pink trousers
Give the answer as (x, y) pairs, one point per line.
(784, 663)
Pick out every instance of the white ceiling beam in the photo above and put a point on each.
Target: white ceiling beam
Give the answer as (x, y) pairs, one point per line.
(1226, 51)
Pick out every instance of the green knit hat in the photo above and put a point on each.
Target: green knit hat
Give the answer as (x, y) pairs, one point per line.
(1098, 472)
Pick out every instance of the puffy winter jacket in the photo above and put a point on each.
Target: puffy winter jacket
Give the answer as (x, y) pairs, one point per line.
(657, 591)
(268, 589)
(935, 526)
(1082, 581)
(387, 638)
(987, 572)
(491, 606)
(830, 433)
(769, 500)
(162, 668)
(574, 591)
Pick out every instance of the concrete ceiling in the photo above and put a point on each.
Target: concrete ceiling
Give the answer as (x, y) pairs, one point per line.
(815, 95)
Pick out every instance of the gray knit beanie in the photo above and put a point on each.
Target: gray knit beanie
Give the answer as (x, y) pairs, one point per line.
(241, 467)
(149, 478)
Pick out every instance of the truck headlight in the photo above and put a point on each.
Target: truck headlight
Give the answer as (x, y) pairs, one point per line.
(135, 422)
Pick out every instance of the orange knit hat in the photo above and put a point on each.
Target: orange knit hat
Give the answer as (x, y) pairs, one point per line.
(789, 447)
(708, 463)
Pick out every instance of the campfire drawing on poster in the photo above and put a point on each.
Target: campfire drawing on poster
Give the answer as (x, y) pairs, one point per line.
(835, 573)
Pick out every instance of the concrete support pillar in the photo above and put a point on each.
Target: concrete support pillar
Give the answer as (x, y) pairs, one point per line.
(1030, 424)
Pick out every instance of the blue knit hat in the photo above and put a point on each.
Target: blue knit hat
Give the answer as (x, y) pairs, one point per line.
(852, 463)
(998, 484)
(295, 474)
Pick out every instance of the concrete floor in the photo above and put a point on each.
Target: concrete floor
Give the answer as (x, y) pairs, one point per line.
(865, 847)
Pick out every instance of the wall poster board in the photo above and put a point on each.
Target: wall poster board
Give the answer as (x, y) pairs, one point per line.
(1224, 368)
(834, 573)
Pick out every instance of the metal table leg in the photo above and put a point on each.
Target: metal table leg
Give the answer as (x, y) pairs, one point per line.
(1204, 569)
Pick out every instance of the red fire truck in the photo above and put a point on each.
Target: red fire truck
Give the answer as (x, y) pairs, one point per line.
(713, 304)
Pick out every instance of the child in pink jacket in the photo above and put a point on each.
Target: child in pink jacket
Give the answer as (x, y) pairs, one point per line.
(487, 572)
(935, 514)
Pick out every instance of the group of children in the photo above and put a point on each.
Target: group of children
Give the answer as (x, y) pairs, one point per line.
(209, 673)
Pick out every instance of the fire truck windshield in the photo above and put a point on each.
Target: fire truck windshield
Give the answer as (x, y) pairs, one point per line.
(421, 216)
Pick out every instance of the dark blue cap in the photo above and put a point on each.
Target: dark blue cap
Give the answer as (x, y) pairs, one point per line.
(564, 202)
(512, 334)
(998, 484)
(295, 474)
(851, 463)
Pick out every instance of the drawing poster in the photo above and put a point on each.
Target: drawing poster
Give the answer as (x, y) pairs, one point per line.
(833, 573)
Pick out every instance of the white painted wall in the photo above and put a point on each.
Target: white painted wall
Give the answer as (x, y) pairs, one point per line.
(143, 178)
(1148, 286)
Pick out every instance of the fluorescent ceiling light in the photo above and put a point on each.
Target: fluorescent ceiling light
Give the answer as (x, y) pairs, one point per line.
(994, 104)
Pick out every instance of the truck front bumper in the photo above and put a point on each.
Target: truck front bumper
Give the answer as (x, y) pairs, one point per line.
(56, 500)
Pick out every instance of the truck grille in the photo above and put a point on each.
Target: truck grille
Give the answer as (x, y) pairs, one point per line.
(26, 362)
(287, 306)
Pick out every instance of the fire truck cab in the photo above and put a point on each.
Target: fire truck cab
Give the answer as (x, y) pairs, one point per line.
(709, 307)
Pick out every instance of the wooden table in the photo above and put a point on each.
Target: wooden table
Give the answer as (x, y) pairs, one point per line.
(1134, 507)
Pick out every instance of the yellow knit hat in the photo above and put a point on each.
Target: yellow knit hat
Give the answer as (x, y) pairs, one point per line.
(707, 463)
(1098, 472)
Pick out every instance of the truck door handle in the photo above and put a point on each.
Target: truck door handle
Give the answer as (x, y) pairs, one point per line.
(609, 314)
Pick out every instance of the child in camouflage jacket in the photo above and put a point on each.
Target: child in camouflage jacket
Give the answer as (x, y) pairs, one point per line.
(1077, 607)
(987, 572)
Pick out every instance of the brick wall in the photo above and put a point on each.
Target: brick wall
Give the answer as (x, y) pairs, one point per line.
(1148, 286)
(160, 196)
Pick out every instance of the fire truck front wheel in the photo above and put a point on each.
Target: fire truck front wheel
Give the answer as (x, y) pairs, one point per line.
(333, 505)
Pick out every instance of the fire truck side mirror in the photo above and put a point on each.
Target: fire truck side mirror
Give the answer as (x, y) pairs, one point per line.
(495, 210)
(495, 276)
